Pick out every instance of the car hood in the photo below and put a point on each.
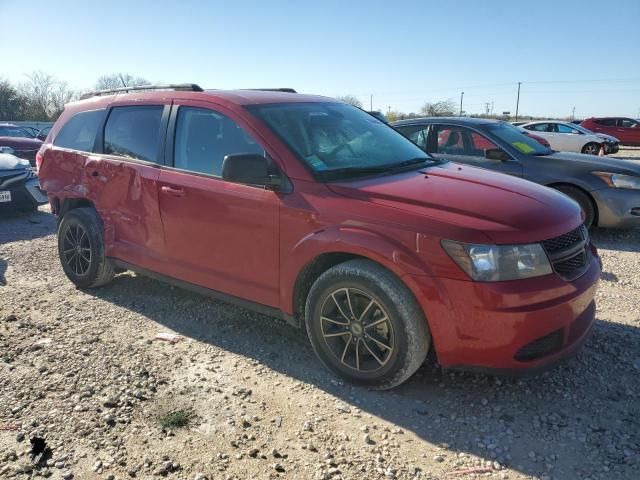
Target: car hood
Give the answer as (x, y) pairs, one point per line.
(603, 164)
(471, 204)
(606, 137)
(19, 143)
(11, 162)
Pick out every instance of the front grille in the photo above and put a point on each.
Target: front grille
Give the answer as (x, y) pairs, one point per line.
(541, 347)
(569, 253)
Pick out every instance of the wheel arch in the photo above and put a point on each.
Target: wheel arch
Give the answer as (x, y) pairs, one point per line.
(555, 186)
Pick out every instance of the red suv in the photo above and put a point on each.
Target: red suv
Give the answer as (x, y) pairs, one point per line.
(627, 130)
(312, 210)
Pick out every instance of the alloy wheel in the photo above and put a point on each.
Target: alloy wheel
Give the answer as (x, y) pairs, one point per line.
(77, 249)
(357, 330)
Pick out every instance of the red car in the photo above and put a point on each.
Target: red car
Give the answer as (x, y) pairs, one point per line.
(312, 210)
(20, 140)
(627, 130)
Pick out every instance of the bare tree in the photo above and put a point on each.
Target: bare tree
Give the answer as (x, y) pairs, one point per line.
(44, 96)
(120, 80)
(443, 108)
(351, 100)
(11, 102)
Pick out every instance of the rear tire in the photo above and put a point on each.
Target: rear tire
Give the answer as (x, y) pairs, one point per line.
(81, 249)
(365, 325)
(583, 200)
(591, 149)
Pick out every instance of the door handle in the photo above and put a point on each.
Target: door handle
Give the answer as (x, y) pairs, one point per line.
(176, 192)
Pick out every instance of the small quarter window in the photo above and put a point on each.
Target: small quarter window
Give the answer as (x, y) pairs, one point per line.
(79, 133)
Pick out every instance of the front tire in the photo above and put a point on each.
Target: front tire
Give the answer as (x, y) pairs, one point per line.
(365, 325)
(81, 249)
(583, 200)
(591, 149)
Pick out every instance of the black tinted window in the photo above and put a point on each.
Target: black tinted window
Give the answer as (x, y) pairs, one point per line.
(205, 137)
(609, 122)
(134, 132)
(79, 133)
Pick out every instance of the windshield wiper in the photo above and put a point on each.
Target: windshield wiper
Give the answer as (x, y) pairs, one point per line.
(386, 168)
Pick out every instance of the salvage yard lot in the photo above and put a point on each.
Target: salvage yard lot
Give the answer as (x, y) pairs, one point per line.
(84, 371)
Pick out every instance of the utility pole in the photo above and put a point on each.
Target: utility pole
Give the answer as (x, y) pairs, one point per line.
(573, 113)
(518, 101)
(486, 109)
(371, 104)
(461, 97)
(492, 108)
(389, 109)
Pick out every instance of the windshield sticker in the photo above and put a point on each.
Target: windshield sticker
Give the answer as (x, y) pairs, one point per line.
(523, 147)
(316, 163)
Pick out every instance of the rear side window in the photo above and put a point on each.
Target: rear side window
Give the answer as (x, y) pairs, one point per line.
(134, 132)
(79, 133)
(608, 122)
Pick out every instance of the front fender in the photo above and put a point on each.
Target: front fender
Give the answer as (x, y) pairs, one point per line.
(392, 253)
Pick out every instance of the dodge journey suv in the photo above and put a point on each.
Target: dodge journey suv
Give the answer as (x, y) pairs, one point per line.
(311, 210)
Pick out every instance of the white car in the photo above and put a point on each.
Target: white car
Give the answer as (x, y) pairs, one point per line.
(569, 137)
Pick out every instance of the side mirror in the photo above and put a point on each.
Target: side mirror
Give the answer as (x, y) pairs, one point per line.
(496, 154)
(250, 168)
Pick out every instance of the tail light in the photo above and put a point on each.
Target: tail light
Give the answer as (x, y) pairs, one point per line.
(39, 160)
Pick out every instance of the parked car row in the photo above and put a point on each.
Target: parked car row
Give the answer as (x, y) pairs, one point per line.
(19, 187)
(315, 211)
(21, 140)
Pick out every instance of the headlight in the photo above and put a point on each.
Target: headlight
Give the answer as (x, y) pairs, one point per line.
(496, 263)
(617, 180)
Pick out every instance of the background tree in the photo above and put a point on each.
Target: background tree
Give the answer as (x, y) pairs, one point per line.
(351, 100)
(443, 108)
(120, 80)
(11, 102)
(43, 97)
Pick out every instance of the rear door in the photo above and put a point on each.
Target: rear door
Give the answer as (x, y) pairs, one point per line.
(220, 235)
(123, 175)
(464, 145)
(569, 138)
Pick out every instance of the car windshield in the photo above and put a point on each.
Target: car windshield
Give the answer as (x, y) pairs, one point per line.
(518, 140)
(13, 132)
(337, 140)
(580, 128)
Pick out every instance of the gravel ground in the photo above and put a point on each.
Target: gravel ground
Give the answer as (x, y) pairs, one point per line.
(84, 372)
(632, 153)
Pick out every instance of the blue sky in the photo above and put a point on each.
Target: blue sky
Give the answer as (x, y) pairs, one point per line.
(581, 53)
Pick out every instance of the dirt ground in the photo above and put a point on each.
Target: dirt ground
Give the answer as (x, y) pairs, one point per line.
(84, 372)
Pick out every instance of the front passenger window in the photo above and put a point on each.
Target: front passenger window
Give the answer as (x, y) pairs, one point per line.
(204, 137)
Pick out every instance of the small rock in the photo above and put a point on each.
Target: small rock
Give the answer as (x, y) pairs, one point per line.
(278, 467)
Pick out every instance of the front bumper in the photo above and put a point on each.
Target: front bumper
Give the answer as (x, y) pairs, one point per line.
(611, 147)
(617, 207)
(508, 327)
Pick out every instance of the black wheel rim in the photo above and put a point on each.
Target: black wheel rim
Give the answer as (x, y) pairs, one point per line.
(76, 249)
(357, 330)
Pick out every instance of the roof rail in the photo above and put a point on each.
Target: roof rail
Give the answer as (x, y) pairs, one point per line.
(285, 89)
(191, 87)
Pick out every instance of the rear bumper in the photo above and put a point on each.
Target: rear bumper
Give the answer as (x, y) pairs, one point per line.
(509, 327)
(618, 207)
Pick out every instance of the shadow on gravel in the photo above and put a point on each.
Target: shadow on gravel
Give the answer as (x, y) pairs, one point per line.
(3, 269)
(586, 405)
(627, 240)
(18, 226)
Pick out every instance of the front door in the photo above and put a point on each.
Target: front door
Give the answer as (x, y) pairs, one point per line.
(464, 145)
(220, 235)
